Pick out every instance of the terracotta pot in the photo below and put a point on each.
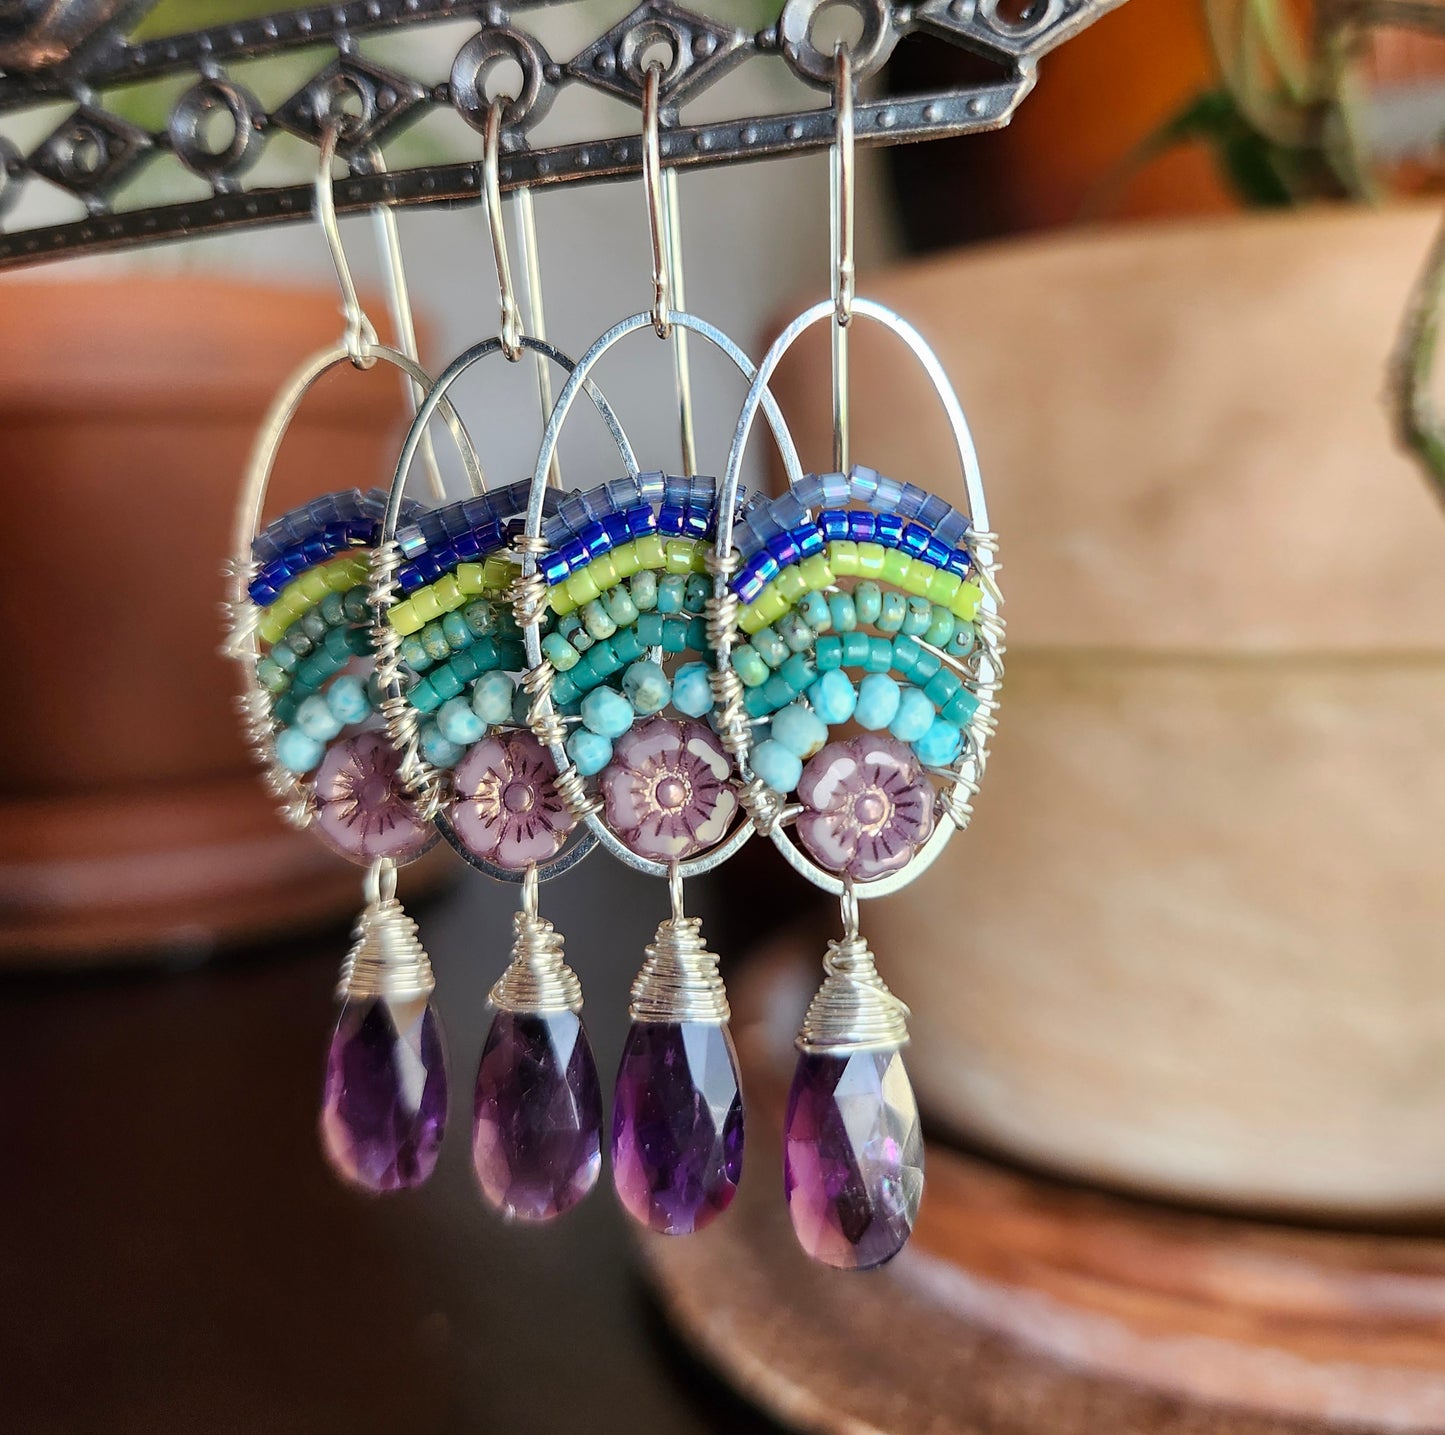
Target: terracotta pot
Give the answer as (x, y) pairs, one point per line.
(1191, 945)
(132, 818)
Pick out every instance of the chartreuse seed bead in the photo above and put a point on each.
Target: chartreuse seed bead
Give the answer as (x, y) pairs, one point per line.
(891, 612)
(347, 699)
(458, 723)
(943, 687)
(842, 611)
(297, 752)
(833, 697)
(589, 751)
(646, 687)
(651, 552)
(492, 697)
(843, 558)
(620, 607)
(582, 586)
(692, 692)
(939, 745)
(606, 713)
(749, 666)
(914, 716)
(918, 616)
(963, 641)
(790, 585)
(814, 612)
(625, 561)
(559, 652)
(828, 655)
(437, 749)
(598, 620)
(670, 593)
(816, 572)
(795, 632)
(941, 626)
(878, 698)
(943, 586)
(644, 590)
(315, 718)
(966, 600)
(868, 602)
(880, 655)
(897, 568)
(679, 556)
(781, 769)
(871, 558)
(768, 608)
(960, 708)
(628, 645)
(799, 729)
(770, 647)
(696, 594)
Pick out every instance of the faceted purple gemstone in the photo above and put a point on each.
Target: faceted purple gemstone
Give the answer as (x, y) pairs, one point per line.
(537, 1134)
(677, 1125)
(853, 1159)
(385, 1100)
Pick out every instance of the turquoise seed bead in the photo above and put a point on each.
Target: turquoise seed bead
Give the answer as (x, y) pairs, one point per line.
(414, 654)
(696, 593)
(960, 708)
(458, 723)
(917, 617)
(671, 590)
(446, 682)
(480, 617)
(644, 590)
(914, 716)
(692, 692)
(771, 648)
(316, 719)
(799, 672)
(284, 656)
(855, 649)
(829, 653)
(942, 687)
(781, 769)
(457, 634)
(492, 697)
(271, 676)
(814, 611)
(603, 659)
(799, 729)
(628, 645)
(906, 653)
(834, 697)
(434, 640)
(297, 752)
(941, 627)
(435, 748)
(597, 620)
(939, 745)
(867, 601)
(606, 712)
(755, 701)
(568, 625)
(589, 751)
(893, 608)
(559, 652)
(842, 611)
(749, 666)
(776, 693)
(620, 605)
(878, 698)
(423, 697)
(650, 628)
(646, 687)
(565, 689)
(347, 699)
(674, 635)
(963, 640)
(795, 632)
(880, 655)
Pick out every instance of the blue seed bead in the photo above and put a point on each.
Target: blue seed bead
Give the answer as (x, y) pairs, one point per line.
(834, 697)
(458, 723)
(878, 699)
(590, 751)
(780, 769)
(692, 693)
(671, 590)
(914, 716)
(960, 708)
(297, 752)
(597, 620)
(867, 601)
(493, 696)
(770, 647)
(918, 616)
(559, 652)
(842, 612)
(620, 606)
(435, 748)
(828, 655)
(606, 712)
(939, 745)
(941, 626)
(644, 590)
(347, 699)
(696, 593)
(799, 729)
(893, 608)
(315, 718)
(749, 666)
(646, 687)
(795, 632)
(962, 642)
(815, 612)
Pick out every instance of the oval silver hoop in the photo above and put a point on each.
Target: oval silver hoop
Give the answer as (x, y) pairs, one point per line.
(531, 634)
(964, 777)
(400, 718)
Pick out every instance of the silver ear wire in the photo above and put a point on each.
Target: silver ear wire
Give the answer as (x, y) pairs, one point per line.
(840, 230)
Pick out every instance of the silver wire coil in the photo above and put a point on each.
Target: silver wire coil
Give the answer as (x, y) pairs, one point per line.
(852, 1010)
(679, 979)
(538, 981)
(386, 959)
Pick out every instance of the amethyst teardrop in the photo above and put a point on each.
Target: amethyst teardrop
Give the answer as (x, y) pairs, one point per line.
(385, 1101)
(677, 1125)
(853, 1159)
(537, 1134)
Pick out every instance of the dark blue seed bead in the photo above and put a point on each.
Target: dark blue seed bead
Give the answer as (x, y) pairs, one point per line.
(554, 568)
(809, 541)
(641, 522)
(834, 523)
(888, 528)
(959, 563)
(615, 527)
(468, 545)
(783, 549)
(574, 554)
(748, 589)
(407, 578)
(593, 537)
(696, 522)
(862, 525)
(934, 510)
(914, 539)
(912, 501)
(938, 553)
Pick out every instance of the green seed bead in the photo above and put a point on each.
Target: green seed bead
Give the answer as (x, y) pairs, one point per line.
(918, 616)
(559, 652)
(696, 593)
(842, 611)
(963, 641)
(829, 654)
(597, 620)
(815, 612)
(771, 648)
(867, 600)
(671, 590)
(749, 666)
(620, 606)
(795, 632)
(892, 610)
(333, 608)
(644, 590)
(941, 626)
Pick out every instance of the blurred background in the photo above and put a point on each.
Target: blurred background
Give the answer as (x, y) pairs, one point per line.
(1179, 999)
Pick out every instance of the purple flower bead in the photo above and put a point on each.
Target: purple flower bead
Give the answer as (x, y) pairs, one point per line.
(668, 790)
(362, 809)
(507, 809)
(868, 806)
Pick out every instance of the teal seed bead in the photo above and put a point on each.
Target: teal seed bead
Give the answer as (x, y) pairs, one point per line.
(880, 655)
(296, 751)
(271, 676)
(799, 672)
(354, 604)
(842, 612)
(458, 635)
(892, 609)
(313, 624)
(627, 644)
(564, 689)
(284, 656)
(644, 590)
(799, 729)
(674, 635)
(597, 620)
(906, 653)
(834, 697)
(435, 748)
(333, 609)
(458, 723)
(748, 664)
(434, 640)
(620, 606)
(671, 590)
(649, 629)
(423, 697)
(939, 745)
(942, 687)
(521, 707)
(697, 635)
(829, 653)
(917, 617)
(414, 654)
(480, 617)
(316, 719)
(770, 647)
(815, 612)
(603, 658)
(776, 693)
(298, 642)
(855, 649)
(692, 692)
(590, 751)
(347, 699)
(781, 769)
(795, 632)
(492, 697)
(962, 642)
(867, 601)
(696, 593)
(914, 716)
(569, 625)
(941, 626)
(755, 701)
(960, 708)
(607, 713)
(646, 687)
(878, 699)
(559, 652)
(446, 682)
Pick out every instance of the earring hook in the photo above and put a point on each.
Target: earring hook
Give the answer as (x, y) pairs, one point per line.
(511, 334)
(360, 332)
(841, 184)
(656, 207)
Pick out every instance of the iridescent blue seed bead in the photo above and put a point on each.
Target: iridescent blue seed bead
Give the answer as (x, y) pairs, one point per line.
(347, 699)
(799, 729)
(878, 699)
(940, 745)
(914, 539)
(671, 589)
(559, 652)
(644, 590)
(815, 612)
(435, 748)
(696, 593)
(607, 713)
(692, 693)
(770, 647)
(458, 723)
(833, 697)
(842, 612)
(862, 526)
(828, 654)
(597, 620)
(914, 716)
(941, 626)
(645, 686)
(917, 616)
(867, 602)
(296, 751)
(590, 751)
(492, 697)
(964, 640)
(620, 607)
(781, 769)
(749, 666)
(315, 718)
(795, 632)
(892, 609)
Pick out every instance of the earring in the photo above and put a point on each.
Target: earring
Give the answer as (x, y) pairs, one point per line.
(300, 628)
(857, 600)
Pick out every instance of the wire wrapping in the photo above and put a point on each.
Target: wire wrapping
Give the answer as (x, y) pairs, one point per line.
(538, 981)
(679, 979)
(853, 1009)
(386, 959)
